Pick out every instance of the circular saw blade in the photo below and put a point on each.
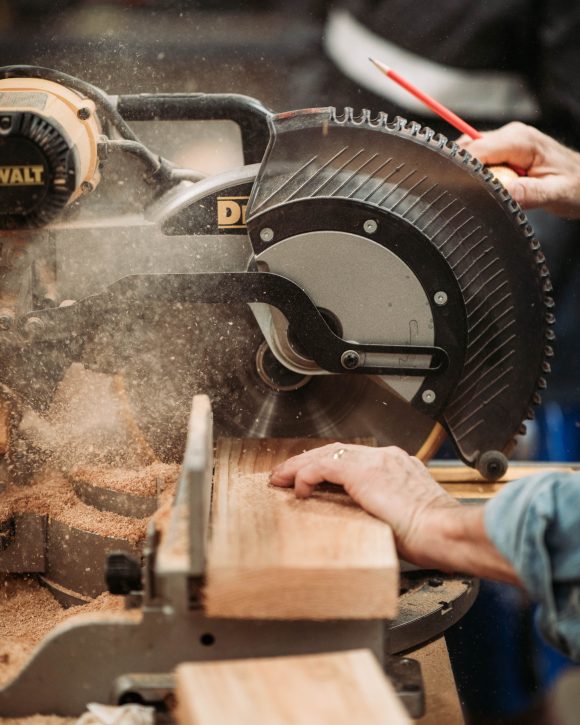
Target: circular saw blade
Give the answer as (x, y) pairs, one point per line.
(212, 349)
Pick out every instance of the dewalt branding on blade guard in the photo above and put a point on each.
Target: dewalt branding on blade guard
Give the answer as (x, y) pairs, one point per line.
(231, 212)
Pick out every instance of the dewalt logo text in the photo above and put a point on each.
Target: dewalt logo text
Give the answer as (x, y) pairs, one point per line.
(231, 212)
(21, 175)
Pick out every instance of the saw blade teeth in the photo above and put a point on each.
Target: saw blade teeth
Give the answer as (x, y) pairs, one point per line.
(547, 285)
(379, 121)
(437, 217)
(397, 124)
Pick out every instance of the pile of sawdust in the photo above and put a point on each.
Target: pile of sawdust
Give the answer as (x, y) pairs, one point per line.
(89, 422)
(148, 481)
(52, 494)
(28, 612)
(38, 720)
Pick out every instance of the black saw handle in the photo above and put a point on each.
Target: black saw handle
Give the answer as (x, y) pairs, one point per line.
(251, 116)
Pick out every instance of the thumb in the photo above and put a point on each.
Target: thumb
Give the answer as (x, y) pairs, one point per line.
(529, 193)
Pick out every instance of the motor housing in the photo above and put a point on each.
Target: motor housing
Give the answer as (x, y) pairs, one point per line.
(48, 150)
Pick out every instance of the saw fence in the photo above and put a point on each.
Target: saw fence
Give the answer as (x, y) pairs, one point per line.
(237, 570)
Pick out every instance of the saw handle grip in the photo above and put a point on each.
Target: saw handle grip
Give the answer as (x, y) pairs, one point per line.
(250, 115)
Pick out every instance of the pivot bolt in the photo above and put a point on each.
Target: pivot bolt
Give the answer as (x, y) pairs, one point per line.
(266, 234)
(6, 319)
(84, 113)
(33, 326)
(440, 298)
(350, 359)
(370, 226)
(428, 396)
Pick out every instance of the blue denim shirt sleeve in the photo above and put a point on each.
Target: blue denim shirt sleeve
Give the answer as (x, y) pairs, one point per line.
(535, 524)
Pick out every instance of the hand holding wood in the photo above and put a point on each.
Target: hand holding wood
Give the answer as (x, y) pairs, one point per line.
(431, 528)
(387, 482)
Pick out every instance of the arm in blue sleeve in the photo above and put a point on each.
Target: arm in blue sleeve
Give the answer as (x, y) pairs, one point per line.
(535, 524)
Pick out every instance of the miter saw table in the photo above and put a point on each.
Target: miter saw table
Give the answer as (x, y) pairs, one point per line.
(130, 656)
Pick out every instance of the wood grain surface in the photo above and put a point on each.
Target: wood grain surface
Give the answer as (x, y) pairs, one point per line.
(272, 556)
(346, 688)
(441, 699)
(467, 484)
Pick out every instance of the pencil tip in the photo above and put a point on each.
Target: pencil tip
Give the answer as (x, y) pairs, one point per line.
(381, 66)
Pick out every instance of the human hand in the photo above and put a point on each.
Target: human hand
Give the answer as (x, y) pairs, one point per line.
(553, 180)
(431, 528)
(386, 482)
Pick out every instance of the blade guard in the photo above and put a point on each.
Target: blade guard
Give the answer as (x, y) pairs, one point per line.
(404, 174)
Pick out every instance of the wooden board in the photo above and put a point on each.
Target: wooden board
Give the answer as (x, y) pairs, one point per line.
(441, 699)
(468, 485)
(464, 474)
(272, 556)
(346, 688)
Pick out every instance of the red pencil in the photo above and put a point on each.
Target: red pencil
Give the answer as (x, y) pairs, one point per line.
(441, 110)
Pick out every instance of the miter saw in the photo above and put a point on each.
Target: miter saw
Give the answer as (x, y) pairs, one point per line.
(357, 277)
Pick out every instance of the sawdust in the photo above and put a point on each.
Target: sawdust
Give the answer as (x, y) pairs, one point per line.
(148, 481)
(38, 720)
(89, 422)
(28, 612)
(52, 494)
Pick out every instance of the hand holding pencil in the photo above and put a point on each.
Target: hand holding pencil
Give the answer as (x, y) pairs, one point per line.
(504, 173)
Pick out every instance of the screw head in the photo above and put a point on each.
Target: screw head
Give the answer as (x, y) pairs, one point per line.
(6, 319)
(428, 396)
(435, 581)
(440, 298)
(266, 234)
(86, 187)
(370, 226)
(350, 359)
(33, 327)
(5, 123)
(84, 113)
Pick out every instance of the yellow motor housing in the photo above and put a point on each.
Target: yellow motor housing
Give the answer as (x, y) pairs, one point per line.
(48, 150)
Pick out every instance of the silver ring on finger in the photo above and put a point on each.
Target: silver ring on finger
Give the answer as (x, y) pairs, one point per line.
(339, 454)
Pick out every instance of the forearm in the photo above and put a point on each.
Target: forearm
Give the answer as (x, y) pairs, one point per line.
(453, 538)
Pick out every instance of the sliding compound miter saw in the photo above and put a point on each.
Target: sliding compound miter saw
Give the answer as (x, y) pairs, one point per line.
(358, 276)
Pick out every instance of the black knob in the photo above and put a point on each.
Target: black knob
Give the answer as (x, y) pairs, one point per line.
(123, 573)
(492, 465)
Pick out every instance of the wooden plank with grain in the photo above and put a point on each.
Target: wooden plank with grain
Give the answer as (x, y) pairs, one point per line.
(345, 688)
(467, 484)
(466, 475)
(272, 556)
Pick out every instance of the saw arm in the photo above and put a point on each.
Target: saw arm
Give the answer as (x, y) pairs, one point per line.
(376, 254)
